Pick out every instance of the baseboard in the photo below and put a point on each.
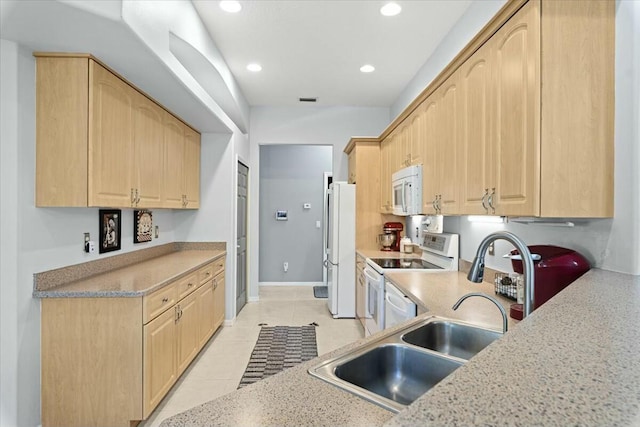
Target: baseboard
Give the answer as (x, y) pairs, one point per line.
(253, 299)
(290, 284)
(230, 322)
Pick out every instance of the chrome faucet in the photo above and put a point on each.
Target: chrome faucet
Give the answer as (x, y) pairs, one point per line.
(493, 300)
(477, 267)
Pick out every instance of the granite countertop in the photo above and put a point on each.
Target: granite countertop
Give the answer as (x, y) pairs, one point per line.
(573, 361)
(437, 292)
(137, 279)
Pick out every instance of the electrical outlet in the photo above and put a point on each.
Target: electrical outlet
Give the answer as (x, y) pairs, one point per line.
(157, 233)
(87, 238)
(492, 248)
(285, 266)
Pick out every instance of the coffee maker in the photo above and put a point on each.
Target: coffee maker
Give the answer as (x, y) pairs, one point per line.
(390, 239)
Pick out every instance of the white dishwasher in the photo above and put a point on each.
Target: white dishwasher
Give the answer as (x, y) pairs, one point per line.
(398, 307)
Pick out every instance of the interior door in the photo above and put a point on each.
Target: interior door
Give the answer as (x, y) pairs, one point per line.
(241, 242)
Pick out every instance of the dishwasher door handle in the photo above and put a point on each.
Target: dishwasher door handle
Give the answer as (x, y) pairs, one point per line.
(389, 298)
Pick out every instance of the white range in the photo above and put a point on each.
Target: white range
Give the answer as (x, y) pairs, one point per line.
(386, 305)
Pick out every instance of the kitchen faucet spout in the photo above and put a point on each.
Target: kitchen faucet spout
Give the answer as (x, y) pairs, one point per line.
(493, 300)
(476, 272)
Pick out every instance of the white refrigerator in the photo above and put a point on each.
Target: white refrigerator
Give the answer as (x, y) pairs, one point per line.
(341, 250)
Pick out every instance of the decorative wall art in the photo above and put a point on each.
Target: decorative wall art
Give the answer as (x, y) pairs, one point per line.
(142, 226)
(110, 227)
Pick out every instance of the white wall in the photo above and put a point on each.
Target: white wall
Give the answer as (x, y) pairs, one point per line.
(290, 176)
(215, 220)
(612, 244)
(303, 125)
(469, 24)
(9, 234)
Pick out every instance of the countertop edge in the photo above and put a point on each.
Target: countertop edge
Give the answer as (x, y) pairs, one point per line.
(56, 293)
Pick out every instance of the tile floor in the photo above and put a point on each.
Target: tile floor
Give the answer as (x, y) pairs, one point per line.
(219, 366)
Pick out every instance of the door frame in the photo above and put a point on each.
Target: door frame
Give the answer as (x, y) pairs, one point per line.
(244, 162)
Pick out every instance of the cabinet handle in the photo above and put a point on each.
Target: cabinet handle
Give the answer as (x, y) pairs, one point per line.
(208, 273)
(490, 199)
(484, 197)
(137, 197)
(189, 285)
(439, 204)
(165, 299)
(177, 317)
(215, 284)
(433, 203)
(132, 198)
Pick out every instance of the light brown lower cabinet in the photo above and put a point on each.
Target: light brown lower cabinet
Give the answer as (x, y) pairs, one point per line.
(110, 361)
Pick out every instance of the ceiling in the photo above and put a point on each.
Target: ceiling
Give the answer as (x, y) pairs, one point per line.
(313, 48)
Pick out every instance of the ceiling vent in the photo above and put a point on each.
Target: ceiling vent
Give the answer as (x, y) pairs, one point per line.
(308, 99)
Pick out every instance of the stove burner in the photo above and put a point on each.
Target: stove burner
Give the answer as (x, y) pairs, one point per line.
(408, 263)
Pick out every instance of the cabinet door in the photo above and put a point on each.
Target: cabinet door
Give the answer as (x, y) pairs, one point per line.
(429, 156)
(416, 140)
(110, 139)
(385, 176)
(187, 330)
(218, 292)
(159, 359)
(447, 146)
(352, 166)
(206, 303)
(475, 138)
(191, 168)
(148, 142)
(516, 150)
(173, 180)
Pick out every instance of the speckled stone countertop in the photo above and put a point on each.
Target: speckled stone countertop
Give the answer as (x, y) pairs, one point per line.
(134, 280)
(574, 361)
(437, 292)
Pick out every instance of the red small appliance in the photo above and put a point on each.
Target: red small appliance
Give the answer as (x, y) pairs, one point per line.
(394, 228)
(555, 270)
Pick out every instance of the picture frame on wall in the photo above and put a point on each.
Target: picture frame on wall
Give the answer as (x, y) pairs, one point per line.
(110, 230)
(142, 226)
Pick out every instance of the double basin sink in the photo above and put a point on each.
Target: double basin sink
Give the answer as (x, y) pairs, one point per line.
(395, 370)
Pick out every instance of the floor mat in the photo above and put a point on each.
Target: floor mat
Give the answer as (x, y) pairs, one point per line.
(279, 348)
(321, 291)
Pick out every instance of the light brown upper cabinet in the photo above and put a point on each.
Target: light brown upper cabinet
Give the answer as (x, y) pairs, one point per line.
(365, 153)
(521, 122)
(537, 132)
(500, 119)
(386, 159)
(475, 132)
(148, 134)
(102, 143)
(440, 149)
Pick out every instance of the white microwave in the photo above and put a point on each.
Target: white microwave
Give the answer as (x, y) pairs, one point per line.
(406, 189)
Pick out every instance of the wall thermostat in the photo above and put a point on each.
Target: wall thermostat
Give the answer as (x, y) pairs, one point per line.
(281, 215)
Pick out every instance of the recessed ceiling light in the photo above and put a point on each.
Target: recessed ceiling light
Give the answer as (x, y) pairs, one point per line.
(254, 67)
(230, 6)
(390, 9)
(367, 68)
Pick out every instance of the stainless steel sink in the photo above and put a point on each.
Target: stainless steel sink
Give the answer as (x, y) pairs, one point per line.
(452, 338)
(395, 370)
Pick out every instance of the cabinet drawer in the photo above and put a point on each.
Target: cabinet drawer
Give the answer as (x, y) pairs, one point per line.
(206, 273)
(187, 285)
(158, 302)
(218, 266)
